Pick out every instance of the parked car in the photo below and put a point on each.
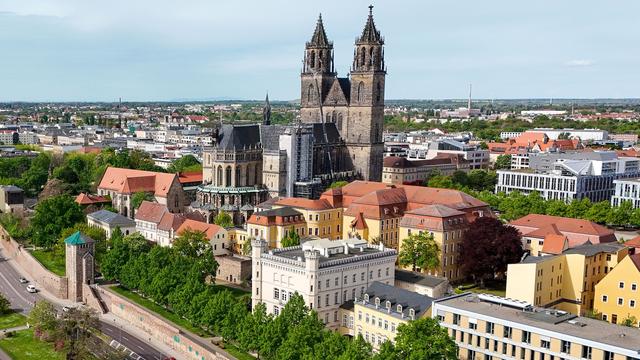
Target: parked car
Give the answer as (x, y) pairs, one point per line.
(23, 280)
(31, 288)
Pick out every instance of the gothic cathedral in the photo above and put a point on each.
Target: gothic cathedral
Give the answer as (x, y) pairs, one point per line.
(356, 103)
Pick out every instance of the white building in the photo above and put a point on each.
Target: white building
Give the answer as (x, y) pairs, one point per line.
(568, 179)
(156, 223)
(477, 158)
(109, 221)
(626, 190)
(326, 273)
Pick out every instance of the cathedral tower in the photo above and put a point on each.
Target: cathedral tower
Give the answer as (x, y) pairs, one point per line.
(317, 75)
(363, 132)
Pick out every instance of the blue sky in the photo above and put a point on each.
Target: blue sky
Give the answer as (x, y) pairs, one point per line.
(81, 50)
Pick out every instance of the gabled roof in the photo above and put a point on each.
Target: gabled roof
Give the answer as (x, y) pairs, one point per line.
(635, 258)
(635, 242)
(78, 238)
(358, 222)
(210, 230)
(190, 177)
(151, 212)
(129, 181)
(538, 226)
(436, 210)
(320, 204)
(336, 95)
(238, 137)
(170, 221)
(555, 244)
(88, 199)
(112, 219)
(396, 296)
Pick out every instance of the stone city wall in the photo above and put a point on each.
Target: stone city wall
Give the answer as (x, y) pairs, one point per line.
(55, 284)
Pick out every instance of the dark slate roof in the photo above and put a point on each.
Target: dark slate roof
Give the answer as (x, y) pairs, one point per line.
(345, 84)
(239, 136)
(112, 219)
(535, 259)
(319, 37)
(348, 305)
(589, 249)
(370, 34)
(270, 136)
(408, 299)
(417, 278)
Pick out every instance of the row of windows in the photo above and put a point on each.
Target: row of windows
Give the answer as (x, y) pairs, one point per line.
(345, 279)
(620, 301)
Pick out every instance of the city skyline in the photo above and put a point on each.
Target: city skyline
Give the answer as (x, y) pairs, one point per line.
(144, 52)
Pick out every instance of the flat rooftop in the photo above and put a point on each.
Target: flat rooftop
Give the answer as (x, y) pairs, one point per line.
(562, 323)
(330, 250)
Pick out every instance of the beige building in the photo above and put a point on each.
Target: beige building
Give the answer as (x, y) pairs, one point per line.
(618, 296)
(567, 281)
(400, 170)
(377, 314)
(217, 235)
(491, 327)
(423, 284)
(273, 225)
(156, 223)
(121, 184)
(325, 273)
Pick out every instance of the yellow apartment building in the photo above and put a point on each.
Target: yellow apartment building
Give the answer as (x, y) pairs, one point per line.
(237, 239)
(273, 225)
(566, 281)
(491, 327)
(617, 295)
(378, 313)
(322, 219)
(447, 226)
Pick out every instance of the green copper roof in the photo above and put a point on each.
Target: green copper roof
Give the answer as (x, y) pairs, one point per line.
(77, 239)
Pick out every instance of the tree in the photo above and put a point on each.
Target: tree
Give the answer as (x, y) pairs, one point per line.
(246, 247)
(5, 305)
(423, 339)
(291, 238)
(76, 325)
(420, 251)
(338, 184)
(488, 246)
(187, 163)
(195, 246)
(223, 219)
(52, 215)
(140, 196)
(621, 215)
(43, 318)
(630, 321)
(598, 212)
(503, 162)
(440, 181)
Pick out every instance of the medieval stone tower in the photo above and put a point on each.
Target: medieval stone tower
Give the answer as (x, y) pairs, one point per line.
(79, 253)
(355, 104)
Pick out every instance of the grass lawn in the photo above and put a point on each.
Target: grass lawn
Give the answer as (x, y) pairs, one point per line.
(491, 287)
(150, 305)
(23, 346)
(51, 260)
(11, 320)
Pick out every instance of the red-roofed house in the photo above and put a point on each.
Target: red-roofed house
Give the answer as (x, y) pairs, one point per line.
(217, 235)
(156, 223)
(87, 199)
(536, 229)
(121, 184)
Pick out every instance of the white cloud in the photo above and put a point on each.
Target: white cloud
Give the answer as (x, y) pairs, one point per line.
(579, 63)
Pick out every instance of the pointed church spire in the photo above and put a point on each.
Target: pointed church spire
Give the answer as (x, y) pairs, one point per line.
(266, 111)
(319, 38)
(370, 35)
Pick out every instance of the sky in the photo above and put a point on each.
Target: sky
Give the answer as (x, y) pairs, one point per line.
(157, 50)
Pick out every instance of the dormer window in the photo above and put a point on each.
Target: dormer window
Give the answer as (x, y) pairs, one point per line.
(377, 301)
(399, 308)
(412, 313)
(388, 305)
(366, 297)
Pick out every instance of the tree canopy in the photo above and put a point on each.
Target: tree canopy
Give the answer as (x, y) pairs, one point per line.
(223, 219)
(187, 163)
(419, 339)
(487, 247)
(53, 215)
(419, 251)
(290, 239)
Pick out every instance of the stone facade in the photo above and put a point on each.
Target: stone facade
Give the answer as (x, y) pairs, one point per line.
(355, 104)
(234, 269)
(79, 265)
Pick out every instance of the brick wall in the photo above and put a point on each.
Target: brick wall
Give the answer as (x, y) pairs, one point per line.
(57, 285)
(154, 326)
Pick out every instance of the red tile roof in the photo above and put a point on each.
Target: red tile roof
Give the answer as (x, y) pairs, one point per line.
(88, 199)
(129, 181)
(210, 230)
(320, 204)
(151, 212)
(190, 177)
(578, 231)
(635, 242)
(555, 244)
(171, 221)
(636, 260)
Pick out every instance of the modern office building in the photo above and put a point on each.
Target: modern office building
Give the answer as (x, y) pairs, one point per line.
(326, 273)
(491, 327)
(626, 190)
(565, 177)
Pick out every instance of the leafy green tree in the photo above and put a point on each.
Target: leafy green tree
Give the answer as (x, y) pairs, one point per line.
(291, 238)
(43, 317)
(440, 181)
(621, 215)
(630, 321)
(187, 163)
(599, 212)
(556, 208)
(53, 215)
(578, 208)
(387, 351)
(503, 162)
(5, 305)
(194, 246)
(337, 184)
(223, 219)
(246, 247)
(487, 247)
(419, 251)
(424, 339)
(140, 196)
(76, 326)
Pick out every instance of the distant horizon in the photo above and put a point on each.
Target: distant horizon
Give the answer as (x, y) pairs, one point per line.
(79, 51)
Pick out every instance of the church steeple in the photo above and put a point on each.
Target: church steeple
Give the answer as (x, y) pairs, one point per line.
(368, 54)
(266, 112)
(318, 56)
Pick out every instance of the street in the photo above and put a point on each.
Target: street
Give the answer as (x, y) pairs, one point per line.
(23, 301)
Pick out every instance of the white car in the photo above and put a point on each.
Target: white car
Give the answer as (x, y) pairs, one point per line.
(31, 288)
(23, 280)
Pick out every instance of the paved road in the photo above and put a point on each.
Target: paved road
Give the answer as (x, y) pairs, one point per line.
(23, 301)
